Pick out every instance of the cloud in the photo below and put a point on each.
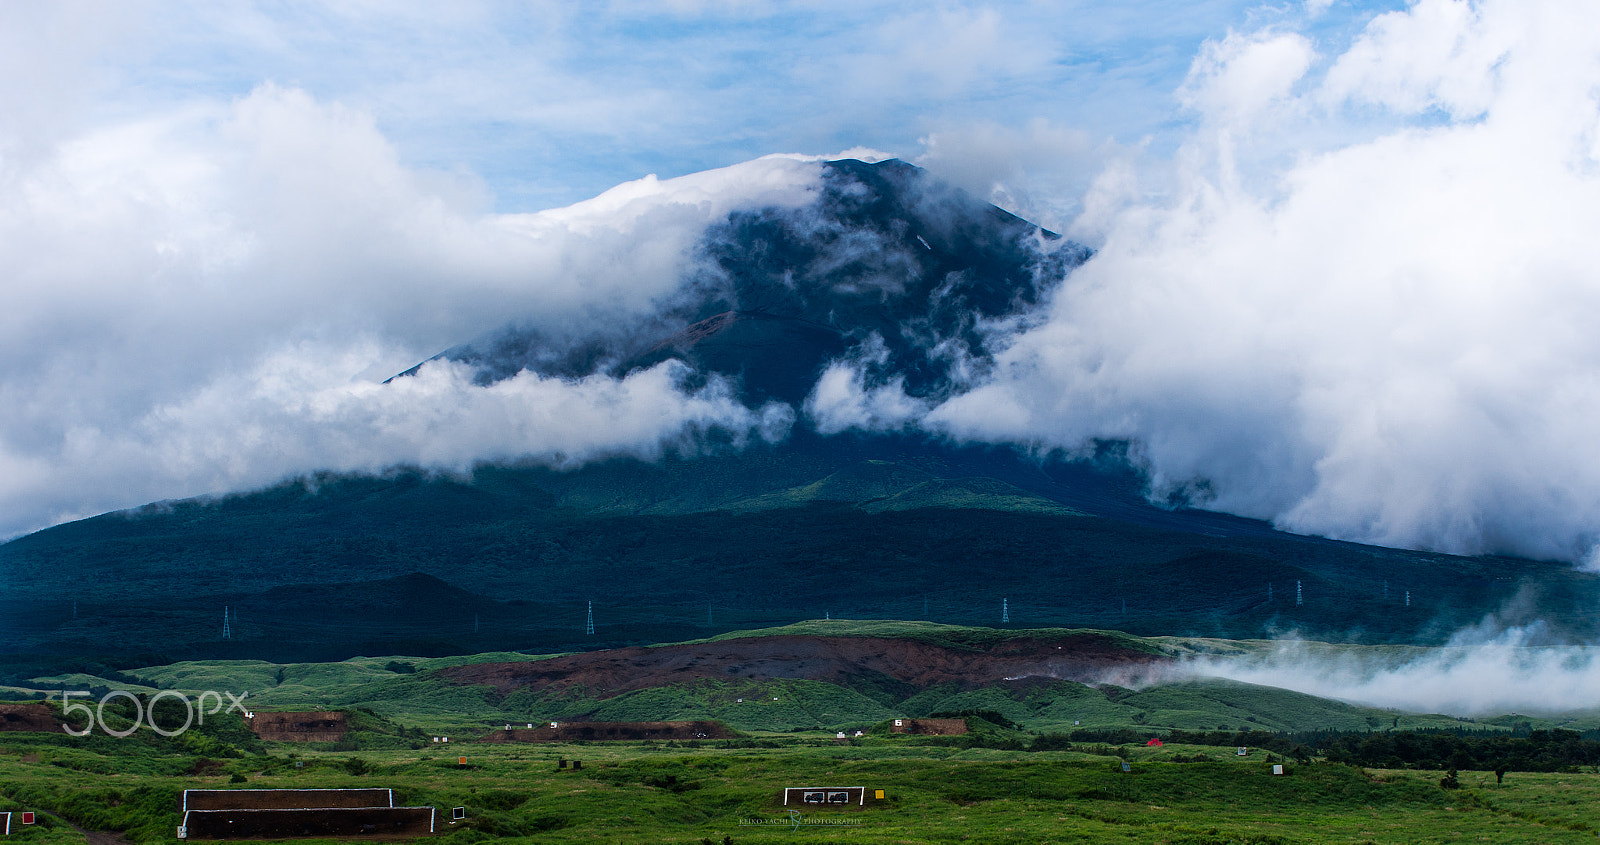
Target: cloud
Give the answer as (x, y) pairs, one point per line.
(206, 298)
(550, 103)
(298, 411)
(1345, 290)
(842, 398)
(1374, 326)
(1507, 673)
(1032, 171)
(49, 80)
(1234, 80)
(949, 52)
(1437, 54)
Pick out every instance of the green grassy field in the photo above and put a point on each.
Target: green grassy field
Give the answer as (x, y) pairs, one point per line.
(654, 793)
(980, 788)
(404, 688)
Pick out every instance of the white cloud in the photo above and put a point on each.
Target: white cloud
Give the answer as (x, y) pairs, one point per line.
(842, 400)
(190, 295)
(1438, 53)
(949, 51)
(49, 82)
(1381, 334)
(1233, 81)
(1031, 171)
(1353, 301)
(298, 411)
(1505, 674)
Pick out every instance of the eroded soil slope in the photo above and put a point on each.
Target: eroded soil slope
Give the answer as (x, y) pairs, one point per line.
(1085, 658)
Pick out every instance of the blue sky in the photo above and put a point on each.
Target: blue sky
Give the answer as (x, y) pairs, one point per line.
(550, 103)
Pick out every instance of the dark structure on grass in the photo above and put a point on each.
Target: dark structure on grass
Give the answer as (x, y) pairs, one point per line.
(828, 796)
(299, 814)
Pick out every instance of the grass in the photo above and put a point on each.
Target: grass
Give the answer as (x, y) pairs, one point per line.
(939, 789)
(934, 633)
(407, 689)
(671, 793)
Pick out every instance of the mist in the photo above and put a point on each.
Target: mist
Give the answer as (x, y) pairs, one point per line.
(1472, 676)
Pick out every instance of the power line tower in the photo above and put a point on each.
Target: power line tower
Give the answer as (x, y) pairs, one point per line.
(589, 626)
(1005, 610)
(1298, 600)
(227, 629)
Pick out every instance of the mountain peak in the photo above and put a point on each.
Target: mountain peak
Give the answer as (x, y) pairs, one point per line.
(888, 268)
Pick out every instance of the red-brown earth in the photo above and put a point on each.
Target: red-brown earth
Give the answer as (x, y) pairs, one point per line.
(28, 717)
(1086, 658)
(313, 726)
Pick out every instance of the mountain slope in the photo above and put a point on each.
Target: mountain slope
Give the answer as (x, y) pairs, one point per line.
(889, 274)
(686, 547)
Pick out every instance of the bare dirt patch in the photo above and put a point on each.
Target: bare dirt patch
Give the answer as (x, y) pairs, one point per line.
(312, 726)
(28, 717)
(604, 674)
(930, 727)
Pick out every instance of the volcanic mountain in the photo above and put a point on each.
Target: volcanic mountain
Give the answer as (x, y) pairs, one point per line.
(887, 268)
(886, 279)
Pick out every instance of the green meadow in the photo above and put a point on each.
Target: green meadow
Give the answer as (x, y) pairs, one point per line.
(729, 792)
(1019, 776)
(407, 690)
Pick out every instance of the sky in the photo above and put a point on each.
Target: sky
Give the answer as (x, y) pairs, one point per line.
(1344, 277)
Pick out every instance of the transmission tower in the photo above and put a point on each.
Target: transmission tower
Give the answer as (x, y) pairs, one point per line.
(1297, 596)
(227, 629)
(589, 626)
(1005, 610)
